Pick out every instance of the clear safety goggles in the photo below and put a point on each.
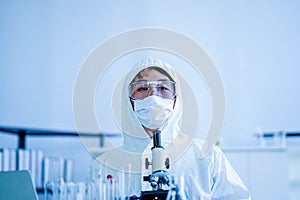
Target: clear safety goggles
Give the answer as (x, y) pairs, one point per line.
(162, 88)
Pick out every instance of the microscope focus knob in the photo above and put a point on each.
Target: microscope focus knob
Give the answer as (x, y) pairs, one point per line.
(147, 163)
(167, 163)
(146, 178)
(153, 184)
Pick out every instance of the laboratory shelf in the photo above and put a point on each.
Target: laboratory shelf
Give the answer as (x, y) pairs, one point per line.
(23, 132)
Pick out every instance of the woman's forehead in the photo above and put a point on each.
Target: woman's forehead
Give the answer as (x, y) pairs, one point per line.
(150, 74)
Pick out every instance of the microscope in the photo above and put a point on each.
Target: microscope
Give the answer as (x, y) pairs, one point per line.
(159, 178)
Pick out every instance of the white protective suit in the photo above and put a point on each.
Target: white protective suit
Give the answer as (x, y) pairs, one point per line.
(211, 177)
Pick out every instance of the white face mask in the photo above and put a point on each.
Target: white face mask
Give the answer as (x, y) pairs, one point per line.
(153, 111)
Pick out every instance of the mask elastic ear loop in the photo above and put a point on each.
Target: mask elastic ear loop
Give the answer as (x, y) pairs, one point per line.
(174, 102)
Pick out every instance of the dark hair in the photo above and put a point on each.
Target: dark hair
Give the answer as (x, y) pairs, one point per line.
(160, 70)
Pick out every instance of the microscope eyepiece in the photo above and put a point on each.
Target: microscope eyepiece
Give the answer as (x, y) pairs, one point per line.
(156, 139)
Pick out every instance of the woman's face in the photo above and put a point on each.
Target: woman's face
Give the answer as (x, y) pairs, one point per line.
(151, 75)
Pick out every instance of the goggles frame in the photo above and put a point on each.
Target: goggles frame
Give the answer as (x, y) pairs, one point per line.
(147, 87)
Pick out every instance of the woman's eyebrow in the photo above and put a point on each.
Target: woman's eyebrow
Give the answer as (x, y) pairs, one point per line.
(141, 80)
(163, 79)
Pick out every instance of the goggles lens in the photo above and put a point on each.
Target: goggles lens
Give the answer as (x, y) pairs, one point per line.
(142, 89)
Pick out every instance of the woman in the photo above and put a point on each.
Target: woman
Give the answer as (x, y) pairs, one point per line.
(152, 101)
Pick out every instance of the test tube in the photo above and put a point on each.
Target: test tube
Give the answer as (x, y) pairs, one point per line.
(124, 180)
(109, 187)
(90, 191)
(60, 190)
(68, 170)
(80, 191)
(71, 191)
(100, 189)
(49, 190)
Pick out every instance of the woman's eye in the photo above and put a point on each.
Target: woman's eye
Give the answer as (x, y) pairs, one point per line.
(141, 89)
(163, 88)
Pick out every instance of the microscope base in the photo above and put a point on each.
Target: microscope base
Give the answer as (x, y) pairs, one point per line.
(157, 195)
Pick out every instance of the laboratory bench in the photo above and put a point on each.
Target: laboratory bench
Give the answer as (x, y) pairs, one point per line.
(270, 172)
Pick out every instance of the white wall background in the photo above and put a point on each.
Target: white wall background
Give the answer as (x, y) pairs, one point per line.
(254, 44)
